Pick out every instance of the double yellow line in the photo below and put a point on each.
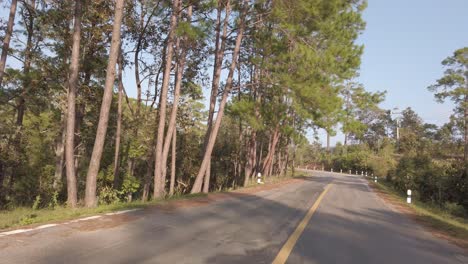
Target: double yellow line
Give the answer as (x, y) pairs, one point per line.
(292, 240)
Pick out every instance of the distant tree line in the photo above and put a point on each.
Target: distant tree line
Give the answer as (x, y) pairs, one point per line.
(431, 160)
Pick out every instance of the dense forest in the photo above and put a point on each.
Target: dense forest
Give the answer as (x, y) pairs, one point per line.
(223, 90)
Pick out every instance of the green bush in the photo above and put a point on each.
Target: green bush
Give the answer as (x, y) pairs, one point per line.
(108, 195)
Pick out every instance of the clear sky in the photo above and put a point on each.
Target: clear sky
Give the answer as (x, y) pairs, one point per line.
(405, 42)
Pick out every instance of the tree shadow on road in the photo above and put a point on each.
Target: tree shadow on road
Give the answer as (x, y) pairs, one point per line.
(247, 228)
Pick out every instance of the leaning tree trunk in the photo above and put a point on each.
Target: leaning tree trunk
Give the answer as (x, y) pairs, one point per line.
(158, 191)
(181, 46)
(7, 38)
(227, 89)
(94, 164)
(220, 46)
(118, 131)
(251, 165)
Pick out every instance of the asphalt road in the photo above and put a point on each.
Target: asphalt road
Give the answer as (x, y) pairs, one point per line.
(350, 225)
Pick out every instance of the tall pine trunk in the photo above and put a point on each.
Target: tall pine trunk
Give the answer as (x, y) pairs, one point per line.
(251, 153)
(220, 46)
(159, 182)
(173, 163)
(71, 112)
(94, 164)
(181, 50)
(59, 155)
(271, 152)
(7, 38)
(227, 89)
(118, 131)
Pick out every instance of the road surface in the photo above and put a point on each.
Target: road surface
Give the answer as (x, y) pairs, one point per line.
(349, 224)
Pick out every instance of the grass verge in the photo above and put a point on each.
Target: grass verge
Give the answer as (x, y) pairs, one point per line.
(438, 222)
(25, 216)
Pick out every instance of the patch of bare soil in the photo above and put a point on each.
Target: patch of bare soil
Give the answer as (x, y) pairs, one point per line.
(108, 221)
(423, 221)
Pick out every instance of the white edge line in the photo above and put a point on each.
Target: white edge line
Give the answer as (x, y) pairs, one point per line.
(19, 231)
(123, 212)
(90, 218)
(46, 226)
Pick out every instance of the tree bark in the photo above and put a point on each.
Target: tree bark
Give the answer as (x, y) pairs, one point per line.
(7, 38)
(227, 89)
(251, 158)
(158, 179)
(90, 193)
(271, 151)
(149, 173)
(59, 155)
(206, 181)
(173, 163)
(118, 131)
(71, 111)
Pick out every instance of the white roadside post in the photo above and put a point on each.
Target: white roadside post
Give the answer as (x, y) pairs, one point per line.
(375, 179)
(362, 173)
(341, 170)
(331, 170)
(259, 178)
(408, 200)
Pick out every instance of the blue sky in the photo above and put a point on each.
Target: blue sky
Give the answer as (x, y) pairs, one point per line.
(405, 42)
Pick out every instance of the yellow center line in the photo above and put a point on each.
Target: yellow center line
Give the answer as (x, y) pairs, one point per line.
(292, 240)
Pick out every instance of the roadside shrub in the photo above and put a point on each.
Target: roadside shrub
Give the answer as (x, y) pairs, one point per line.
(456, 209)
(129, 187)
(108, 195)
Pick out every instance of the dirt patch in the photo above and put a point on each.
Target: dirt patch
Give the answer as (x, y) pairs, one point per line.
(172, 206)
(423, 221)
(271, 186)
(104, 222)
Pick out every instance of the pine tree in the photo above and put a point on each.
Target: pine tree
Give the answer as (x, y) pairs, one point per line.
(94, 165)
(454, 85)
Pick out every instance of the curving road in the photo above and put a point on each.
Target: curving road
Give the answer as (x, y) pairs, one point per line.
(350, 224)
